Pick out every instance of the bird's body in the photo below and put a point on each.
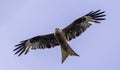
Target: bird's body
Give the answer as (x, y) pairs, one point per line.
(61, 36)
(65, 48)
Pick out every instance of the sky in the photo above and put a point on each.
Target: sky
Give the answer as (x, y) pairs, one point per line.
(98, 46)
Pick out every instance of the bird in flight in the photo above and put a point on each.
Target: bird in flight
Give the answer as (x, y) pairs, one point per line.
(60, 37)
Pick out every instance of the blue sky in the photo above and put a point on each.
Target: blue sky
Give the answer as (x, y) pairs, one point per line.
(98, 47)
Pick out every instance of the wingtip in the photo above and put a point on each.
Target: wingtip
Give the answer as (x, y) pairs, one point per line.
(62, 62)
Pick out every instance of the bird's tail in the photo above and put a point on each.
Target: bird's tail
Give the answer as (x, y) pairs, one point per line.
(67, 50)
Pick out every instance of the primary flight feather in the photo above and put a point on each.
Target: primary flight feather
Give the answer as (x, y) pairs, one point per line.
(61, 36)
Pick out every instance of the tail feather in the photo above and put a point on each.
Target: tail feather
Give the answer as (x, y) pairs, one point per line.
(64, 55)
(66, 51)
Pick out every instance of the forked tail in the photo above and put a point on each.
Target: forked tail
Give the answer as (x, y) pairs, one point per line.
(66, 51)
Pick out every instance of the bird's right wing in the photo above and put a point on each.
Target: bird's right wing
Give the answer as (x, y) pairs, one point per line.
(38, 42)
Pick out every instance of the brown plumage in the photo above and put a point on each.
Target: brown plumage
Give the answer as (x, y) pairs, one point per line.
(61, 36)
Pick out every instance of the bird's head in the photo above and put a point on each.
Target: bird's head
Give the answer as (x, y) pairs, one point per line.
(57, 29)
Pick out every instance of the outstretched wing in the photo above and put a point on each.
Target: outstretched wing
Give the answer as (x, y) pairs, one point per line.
(38, 42)
(81, 24)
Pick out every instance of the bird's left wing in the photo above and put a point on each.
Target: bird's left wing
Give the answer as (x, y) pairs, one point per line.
(38, 42)
(78, 26)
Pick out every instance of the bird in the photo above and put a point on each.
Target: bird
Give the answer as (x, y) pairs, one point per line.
(60, 37)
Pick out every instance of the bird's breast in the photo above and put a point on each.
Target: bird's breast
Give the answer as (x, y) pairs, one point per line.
(60, 38)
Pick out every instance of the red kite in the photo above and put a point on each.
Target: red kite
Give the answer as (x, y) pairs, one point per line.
(61, 36)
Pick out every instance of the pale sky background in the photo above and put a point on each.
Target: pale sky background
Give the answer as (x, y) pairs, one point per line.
(98, 47)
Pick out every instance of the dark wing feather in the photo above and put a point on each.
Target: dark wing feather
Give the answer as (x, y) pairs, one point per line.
(81, 24)
(38, 42)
